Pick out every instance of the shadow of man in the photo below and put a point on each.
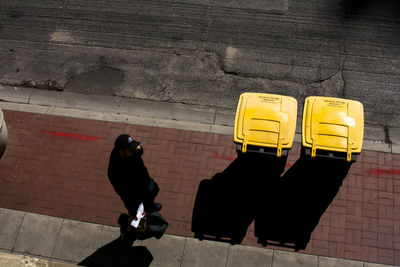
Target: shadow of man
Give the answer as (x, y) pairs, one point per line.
(115, 254)
(226, 204)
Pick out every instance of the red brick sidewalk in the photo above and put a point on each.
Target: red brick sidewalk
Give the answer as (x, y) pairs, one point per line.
(57, 166)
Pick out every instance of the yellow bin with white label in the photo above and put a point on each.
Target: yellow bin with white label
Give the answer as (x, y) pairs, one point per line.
(265, 123)
(332, 127)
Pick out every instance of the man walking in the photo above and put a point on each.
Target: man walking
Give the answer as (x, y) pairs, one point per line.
(129, 176)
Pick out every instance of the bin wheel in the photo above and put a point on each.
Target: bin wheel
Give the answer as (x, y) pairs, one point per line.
(300, 245)
(199, 236)
(236, 240)
(263, 242)
(305, 151)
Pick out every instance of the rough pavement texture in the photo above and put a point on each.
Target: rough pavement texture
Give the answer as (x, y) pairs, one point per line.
(57, 166)
(207, 52)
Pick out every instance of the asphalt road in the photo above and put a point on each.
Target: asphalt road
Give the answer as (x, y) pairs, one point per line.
(207, 52)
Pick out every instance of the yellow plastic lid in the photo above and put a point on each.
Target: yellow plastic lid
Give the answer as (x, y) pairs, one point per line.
(265, 120)
(333, 124)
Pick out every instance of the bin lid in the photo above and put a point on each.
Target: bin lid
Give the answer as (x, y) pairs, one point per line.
(265, 120)
(333, 124)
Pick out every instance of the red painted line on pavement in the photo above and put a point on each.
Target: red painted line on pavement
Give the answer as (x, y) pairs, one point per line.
(379, 172)
(72, 136)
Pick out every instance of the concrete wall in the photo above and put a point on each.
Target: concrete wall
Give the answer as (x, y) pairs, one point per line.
(208, 52)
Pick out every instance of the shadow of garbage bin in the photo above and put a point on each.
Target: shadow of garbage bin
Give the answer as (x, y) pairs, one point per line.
(286, 209)
(226, 204)
(301, 198)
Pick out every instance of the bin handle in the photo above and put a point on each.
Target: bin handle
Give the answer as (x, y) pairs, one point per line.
(244, 146)
(314, 149)
(279, 152)
(279, 149)
(314, 140)
(349, 149)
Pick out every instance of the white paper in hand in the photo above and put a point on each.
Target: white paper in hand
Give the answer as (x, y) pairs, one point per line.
(139, 215)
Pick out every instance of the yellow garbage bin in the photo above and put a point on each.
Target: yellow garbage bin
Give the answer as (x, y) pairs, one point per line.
(265, 123)
(332, 127)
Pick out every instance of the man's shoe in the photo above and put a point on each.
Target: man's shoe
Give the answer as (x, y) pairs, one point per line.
(157, 207)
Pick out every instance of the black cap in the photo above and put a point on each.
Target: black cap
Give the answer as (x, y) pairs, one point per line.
(125, 141)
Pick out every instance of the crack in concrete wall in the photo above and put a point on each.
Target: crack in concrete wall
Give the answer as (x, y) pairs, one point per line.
(334, 82)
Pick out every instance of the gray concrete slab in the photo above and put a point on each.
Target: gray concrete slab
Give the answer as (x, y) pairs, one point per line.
(18, 260)
(174, 111)
(374, 133)
(285, 259)
(47, 98)
(297, 138)
(376, 146)
(394, 135)
(108, 234)
(38, 234)
(15, 94)
(159, 114)
(75, 113)
(218, 129)
(370, 264)
(135, 107)
(77, 240)
(182, 125)
(94, 103)
(80, 238)
(225, 118)
(24, 108)
(298, 124)
(166, 251)
(60, 264)
(10, 221)
(15, 260)
(204, 253)
(396, 149)
(334, 262)
(242, 256)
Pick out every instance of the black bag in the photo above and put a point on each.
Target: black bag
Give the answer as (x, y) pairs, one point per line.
(152, 225)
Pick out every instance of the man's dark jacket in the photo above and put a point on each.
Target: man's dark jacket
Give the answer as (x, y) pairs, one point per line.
(129, 178)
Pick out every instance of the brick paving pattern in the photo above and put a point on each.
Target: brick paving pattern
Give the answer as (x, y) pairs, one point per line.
(57, 166)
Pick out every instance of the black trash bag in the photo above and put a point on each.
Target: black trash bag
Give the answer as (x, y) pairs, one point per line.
(156, 226)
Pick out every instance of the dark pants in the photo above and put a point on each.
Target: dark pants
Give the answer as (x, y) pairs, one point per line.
(148, 201)
(127, 237)
(148, 204)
